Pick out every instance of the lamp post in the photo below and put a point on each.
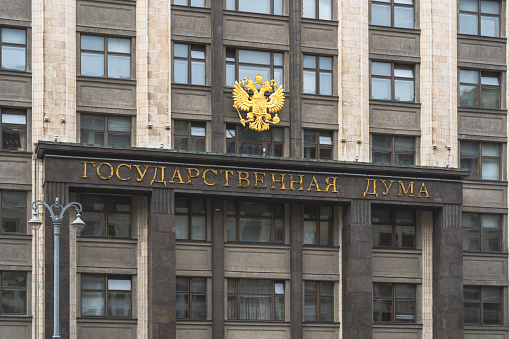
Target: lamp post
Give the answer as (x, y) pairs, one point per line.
(36, 223)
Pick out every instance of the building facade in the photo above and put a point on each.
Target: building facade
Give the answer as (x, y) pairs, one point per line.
(350, 218)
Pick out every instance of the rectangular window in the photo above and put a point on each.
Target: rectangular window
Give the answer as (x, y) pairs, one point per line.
(242, 140)
(479, 89)
(189, 135)
(392, 81)
(392, 13)
(393, 303)
(482, 305)
(14, 293)
(274, 7)
(107, 296)
(317, 9)
(13, 212)
(389, 149)
(482, 232)
(105, 57)
(188, 64)
(14, 129)
(256, 299)
(190, 219)
(479, 17)
(481, 158)
(256, 222)
(318, 144)
(105, 130)
(393, 228)
(191, 298)
(107, 216)
(318, 225)
(241, 63)
(319, 301)
(13, 51)
(190, 3)
(317, 74)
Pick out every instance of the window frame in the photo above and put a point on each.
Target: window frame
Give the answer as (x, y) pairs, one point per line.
(318, 300)
(236, 64)
(189, 62)
(394, 299)
(190, 137)
(26, 288)
(481, 303)
(190, 214)
(479, 158)
(190, 293)
(479, 87)
(26, 46)
(189, 4)
(236, 141)
(105, 54)
(392, 78)
(318, 72)
(317, 11)
(392, 151)
(105, 131)
(24, 222)
(26, 126)
(479, 16)
(272, 8)
(481, 232)
(393, 225)
(318, 221)
(392, 6)
(318, 146)
(106, 291)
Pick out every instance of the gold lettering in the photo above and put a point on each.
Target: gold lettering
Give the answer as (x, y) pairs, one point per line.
(142, 175)
(387, 188)
(315, 184)
(296, 181)
(84, 176)
(401, 189)
(423, 190)
(99, 171)
(226, 177)
(241, 179)
(190, 175)
(118, 170)
(176, 174)
(205, 180)
(162, 168)
(282, 181)
(259, 180)
(367, 192)
(327, 181)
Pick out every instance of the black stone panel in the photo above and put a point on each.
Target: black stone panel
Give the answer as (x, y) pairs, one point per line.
(296, 283)
(295, 87)
(218, 293)
(218, 107)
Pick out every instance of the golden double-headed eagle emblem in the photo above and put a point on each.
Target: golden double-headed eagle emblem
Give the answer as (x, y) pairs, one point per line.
(258, 119)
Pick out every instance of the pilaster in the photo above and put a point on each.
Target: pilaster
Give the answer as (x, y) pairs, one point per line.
(218, 293)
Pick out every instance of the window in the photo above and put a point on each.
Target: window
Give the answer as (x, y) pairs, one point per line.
(482, 305)
(319, 301)
(393, 228)
(479, 13)
(393, 303)
(482, 232)
(242, 140)
(481, 158)
(392, 81)
(14, 129)
(318, 144)
(105, 130)
(14, 212)
(105, 57)
(317, 75)
(190, 219)
(274, 7)
(14, 48)
(250, 299)
(14, 293)
(191, 3)
(185, 55)
(107, 216)
(255, 222)
(317, 9)
(392, 13)
(106, 296)
(390, 149)
(318, 225)
(191, 298)
(241, 63)
(479, 89)
(189, 135)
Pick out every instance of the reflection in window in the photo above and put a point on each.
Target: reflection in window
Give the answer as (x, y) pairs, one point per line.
(105, 57)
(106, 216)
(482, 232)
(261, 6)
(479, 17)
(188, 64)
(105, 130)
(14, 129)
(13, 49)
(319, 301)
(389, 149)
(394, 303)
(479, 89)
(243, 140)
(13, 297)
(189, 135)
(481, 158)
(482, 305)
(392, 13)
(190, 219)
(317, 9)
(13, 212)
(318, 144)
(106, 296)
(392, 81)
(191, 298)
(393, 228)
(241, 63)
(256, 299)
(318, 225)
(317, 75)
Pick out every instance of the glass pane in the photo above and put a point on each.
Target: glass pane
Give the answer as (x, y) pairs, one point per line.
(119, 304)
(491, 241)
(326, 309)
(382, 310)
(92, 122)
(309, 82)
(180, 50)
(490, 7)
(470, 220)
(198, 307)
(260, 6)
(404, 159)
(119, 66)
(95, 224)
(180, 143)
(182, 306)
(255, 308)
(403, 17)
(326, 288)
(405, 236)
(490, 97)
(278, 134)
(13, 36)
(278, 76)
(309, 61)
(119, 284)
(472, 313)
(310, 152)
(119, 139)
(403, 90)
(230, 75)
(14, 301)
(325, 138)
(258, 286)
(326, 63)
(198, 3)
(14, 279)
(405, 217)
(279, 231)
(381, 68)
(470, 164)
(492, 294)
(380, 15)
(92, 43)
(382, 236)
(198, 285)
(182, 227)
(489, 80)
(405, 291)
(251, 72)
(382, 290)
(13, 57)
(468, 24)
(230, 5)
(469, 148)
(469, 77)
(325, 83)
(198, 144)
(470, 240)
(491, 221)
(404, 144)
(403, 72)
(310, 232)
(11, 116)
(278, 7)
(309, 9)
(406, 2)
(468, 5)
(117, 45)
(182, 284)
(197, 52)
(254, 230)
(491, 150)
(121, 124)
(325, 233)
(310, 136)
(197, 73)
(198, 227)
(232, 307)
(324, 9)
(119, 225)
(468, 96)
(310, 288)
(254, 57)
(492, 313)
(310, 305)
(471, 293)
(381, 89)
(382, 158)
(278, 58)
(405, 310)
(180, 128)
(180, 71)
(381, 141)
(92, 304)
(197, 129)
(491, 169)
(14, 137)
(92, 64)
(93, 202)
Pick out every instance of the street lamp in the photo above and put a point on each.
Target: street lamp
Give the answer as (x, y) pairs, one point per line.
(36, 223)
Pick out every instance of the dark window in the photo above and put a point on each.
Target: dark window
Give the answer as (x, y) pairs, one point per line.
(318, 225)
(479, 89)
(482, 305)
(317, 75)
(188, 64)
(389, 149)
(14, 293)
(255, 222)
(106, 296)
(105, 130)
(392, 13)
(14, 48)
(242, 140)
(13, 212)
(319, 301)
(242, 63)
(191, 298)
(317, 9)
(394, 303)
(106, 216)
(190, 219)
(393, 228)
(482, 159)
(318, 144)
(189, 135)
(190, 3)
(479, 17)
(256, 299)
(482, 232)
(274, 7)
(14, 129)
(105, 57)
(392, 81)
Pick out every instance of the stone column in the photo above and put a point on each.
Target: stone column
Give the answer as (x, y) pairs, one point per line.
(217, 95)
(357, 244)
(296, 283)
(295, 86)
(218, 294)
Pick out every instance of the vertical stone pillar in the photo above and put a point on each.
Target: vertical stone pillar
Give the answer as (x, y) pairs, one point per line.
(448, 274)
(296, 283)
(218, 294)
(295, 85)
(427, 273)
(161, 265)
(357, 244)
(217, 95)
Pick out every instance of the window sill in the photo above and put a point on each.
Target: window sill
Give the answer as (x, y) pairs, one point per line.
(334, 324)
(191, 9)
(12, 152)
(15, 317)
(319, 21)
(482, 110)
(189, 86)
(486, 327)
(485, 182)
(107, 320)
(193, 242)
(320, 247)
(320, 97)
(398, 325)
(106, 240)
(393, 103)
(272, 17)
(17, 236)
(261, 323)
(256, 245)
(194, 322)
(481, 38)
(15, 72)
(473, 254)
(391, 29)
(106, 80)
(397, 251)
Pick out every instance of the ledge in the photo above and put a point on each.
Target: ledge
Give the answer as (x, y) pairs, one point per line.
(107, 320)
(190, 9)
(389, 29)
(272, 17)
(497, 111)
(393, 103)
(25, 74)
(104, 80)
(481, 38)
